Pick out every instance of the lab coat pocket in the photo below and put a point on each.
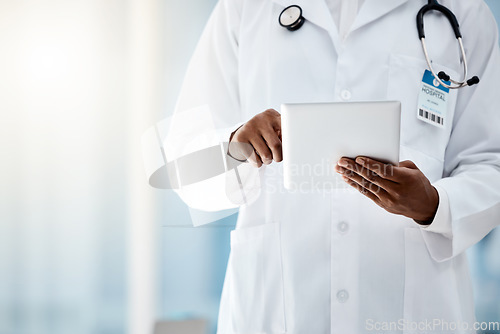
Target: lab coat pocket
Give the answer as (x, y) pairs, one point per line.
(405, 84)
(430, 166)
(431, 295)
(257, 302)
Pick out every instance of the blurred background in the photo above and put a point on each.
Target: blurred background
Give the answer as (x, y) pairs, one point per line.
(86, 246)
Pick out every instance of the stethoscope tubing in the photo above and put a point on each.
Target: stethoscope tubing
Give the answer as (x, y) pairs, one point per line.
(458, 84)
(434, 5)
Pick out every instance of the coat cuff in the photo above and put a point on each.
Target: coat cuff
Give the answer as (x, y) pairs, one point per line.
(441, 223)
(225, 134)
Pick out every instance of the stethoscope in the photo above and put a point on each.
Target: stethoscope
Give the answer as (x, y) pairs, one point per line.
(291, 18)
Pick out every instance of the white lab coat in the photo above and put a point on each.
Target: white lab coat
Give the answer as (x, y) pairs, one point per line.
(336, 262)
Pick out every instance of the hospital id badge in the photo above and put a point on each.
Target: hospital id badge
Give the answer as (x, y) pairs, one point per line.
(433, 101)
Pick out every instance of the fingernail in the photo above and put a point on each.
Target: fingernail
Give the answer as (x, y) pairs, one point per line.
(340, 171)
(343, 163)
(360, 161)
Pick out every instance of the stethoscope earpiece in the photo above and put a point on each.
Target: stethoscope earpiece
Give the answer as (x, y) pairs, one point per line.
(291, 18)
(473, 81)
(443, 76)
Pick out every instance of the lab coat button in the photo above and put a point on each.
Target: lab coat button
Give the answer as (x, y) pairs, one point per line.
(342, 296)
(343, 227)
(345, 95)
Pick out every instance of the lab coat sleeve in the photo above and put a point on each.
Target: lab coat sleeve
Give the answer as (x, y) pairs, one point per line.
(441, 223)
(208, 107)
(470, 188)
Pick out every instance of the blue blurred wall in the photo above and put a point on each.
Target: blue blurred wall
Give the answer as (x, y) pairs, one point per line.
(495, 8)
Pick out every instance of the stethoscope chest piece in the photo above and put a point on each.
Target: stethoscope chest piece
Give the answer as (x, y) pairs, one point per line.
(291, 18)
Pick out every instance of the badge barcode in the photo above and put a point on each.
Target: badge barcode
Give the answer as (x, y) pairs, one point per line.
(431, 116)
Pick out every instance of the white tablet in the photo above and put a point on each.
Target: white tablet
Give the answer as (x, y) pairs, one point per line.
(315, 136)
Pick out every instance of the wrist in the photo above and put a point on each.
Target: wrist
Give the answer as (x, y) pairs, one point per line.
(234, 132)
(424, 223)
(234, 156)
(427, 219)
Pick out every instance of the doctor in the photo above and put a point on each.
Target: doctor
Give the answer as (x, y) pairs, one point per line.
(353, 260)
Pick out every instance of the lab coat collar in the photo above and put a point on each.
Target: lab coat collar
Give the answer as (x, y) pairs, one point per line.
(375, 9)
(317, 12)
